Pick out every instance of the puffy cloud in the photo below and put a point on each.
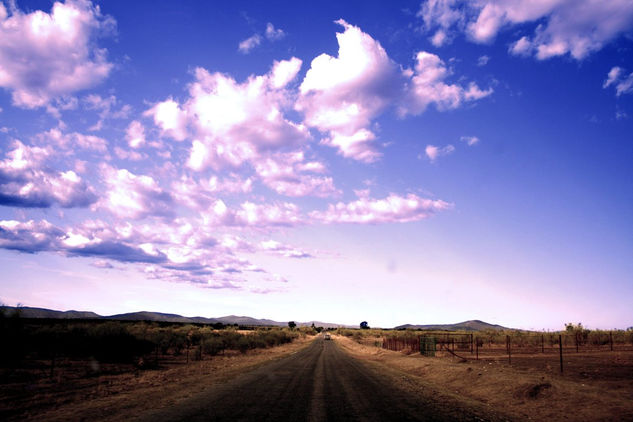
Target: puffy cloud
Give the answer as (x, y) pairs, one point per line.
(623, 85)
(577, 27)
(470, 140)
(200, 193)
(274, 34)
(341, 95)
(283, 250)
(250, 43)
(250, 214)
(271, 33)
(483, 60)
(439, 16)
(135, 134)
(234, 122)
(285, 71)
(434, 152)
(26, 182)
(392, 209)
(72, 141)
(290, 175)
(105, 108)
(428, 87)
(48, 55)
(134, 196)
(170, 118)
(29, 237)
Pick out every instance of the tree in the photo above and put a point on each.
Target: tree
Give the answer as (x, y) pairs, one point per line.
(292, 325)
(364, 325)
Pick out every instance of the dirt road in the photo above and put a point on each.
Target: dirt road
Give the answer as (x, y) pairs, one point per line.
(319, 383)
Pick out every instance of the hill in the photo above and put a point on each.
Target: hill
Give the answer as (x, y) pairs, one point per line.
(28, 312)
(471, 325)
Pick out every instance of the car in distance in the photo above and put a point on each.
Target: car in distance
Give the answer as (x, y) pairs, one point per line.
(326, 337)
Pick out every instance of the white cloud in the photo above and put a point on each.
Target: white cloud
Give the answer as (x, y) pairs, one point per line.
(283, 250)
(135, 134)
(341, 95)
(483, 60)
(274, 34)
(470, 140)
(428, 87)
(236, 122)
(48, 55)
(250, 43)
(72, 141)
(25, 181)
(134, 196)
(613, 76)
(289, 174)
(106, 109)
(434, 152)
(250, 214)
(170, 118)
(577, 27)
(392, 209)
(622, 84)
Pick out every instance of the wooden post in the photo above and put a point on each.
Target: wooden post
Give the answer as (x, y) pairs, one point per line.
(542, 343)
(611, 340)
(509, 345)
(560, 344)
(576, 342)
(471, 343)
(477, 348)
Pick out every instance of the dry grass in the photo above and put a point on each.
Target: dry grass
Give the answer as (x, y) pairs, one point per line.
(122, 396)
(523, 392)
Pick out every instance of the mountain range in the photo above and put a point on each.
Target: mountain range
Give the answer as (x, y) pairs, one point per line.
(29, 312)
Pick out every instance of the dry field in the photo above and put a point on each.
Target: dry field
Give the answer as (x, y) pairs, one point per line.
(594, 387)
(116, 393)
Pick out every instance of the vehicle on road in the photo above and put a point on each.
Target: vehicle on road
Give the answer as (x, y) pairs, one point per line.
(327, 337)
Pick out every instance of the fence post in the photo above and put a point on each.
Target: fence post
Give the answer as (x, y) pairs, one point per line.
(542, 343)
(560, 346)
(509, 346)
(611, 340)
(576, 342)
(471, 343)
(477, 348)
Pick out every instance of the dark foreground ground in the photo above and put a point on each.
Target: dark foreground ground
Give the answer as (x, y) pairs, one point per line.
(319, 383)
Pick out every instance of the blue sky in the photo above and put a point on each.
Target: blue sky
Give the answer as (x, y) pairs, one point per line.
(429, 162)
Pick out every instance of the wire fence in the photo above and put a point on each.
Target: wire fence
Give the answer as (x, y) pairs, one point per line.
(497, 346)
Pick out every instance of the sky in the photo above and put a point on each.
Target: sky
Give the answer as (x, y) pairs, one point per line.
(411, 162)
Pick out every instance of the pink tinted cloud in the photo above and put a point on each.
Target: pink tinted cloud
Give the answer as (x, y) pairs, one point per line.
(428, 86)
(26, 182)
(290, 174)
(341, 95)
(134, 196)
(577, 27)
(48, 55)
(392, 209)
(250, 214)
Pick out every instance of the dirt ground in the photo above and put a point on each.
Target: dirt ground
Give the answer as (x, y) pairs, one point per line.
(116, 396)
(594, 387)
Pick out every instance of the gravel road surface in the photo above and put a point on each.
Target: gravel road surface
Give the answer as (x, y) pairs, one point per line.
(319, 383)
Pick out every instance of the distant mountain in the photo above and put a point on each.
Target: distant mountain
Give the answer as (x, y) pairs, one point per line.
(472, 325)
(27, 312)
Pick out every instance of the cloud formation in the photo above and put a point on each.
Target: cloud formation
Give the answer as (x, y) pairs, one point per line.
(623, 84)
(561, 27)
(392, 209)
(44, 56)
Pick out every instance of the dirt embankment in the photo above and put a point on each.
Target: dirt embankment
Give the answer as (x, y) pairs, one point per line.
(524, 394)
(120, 397)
